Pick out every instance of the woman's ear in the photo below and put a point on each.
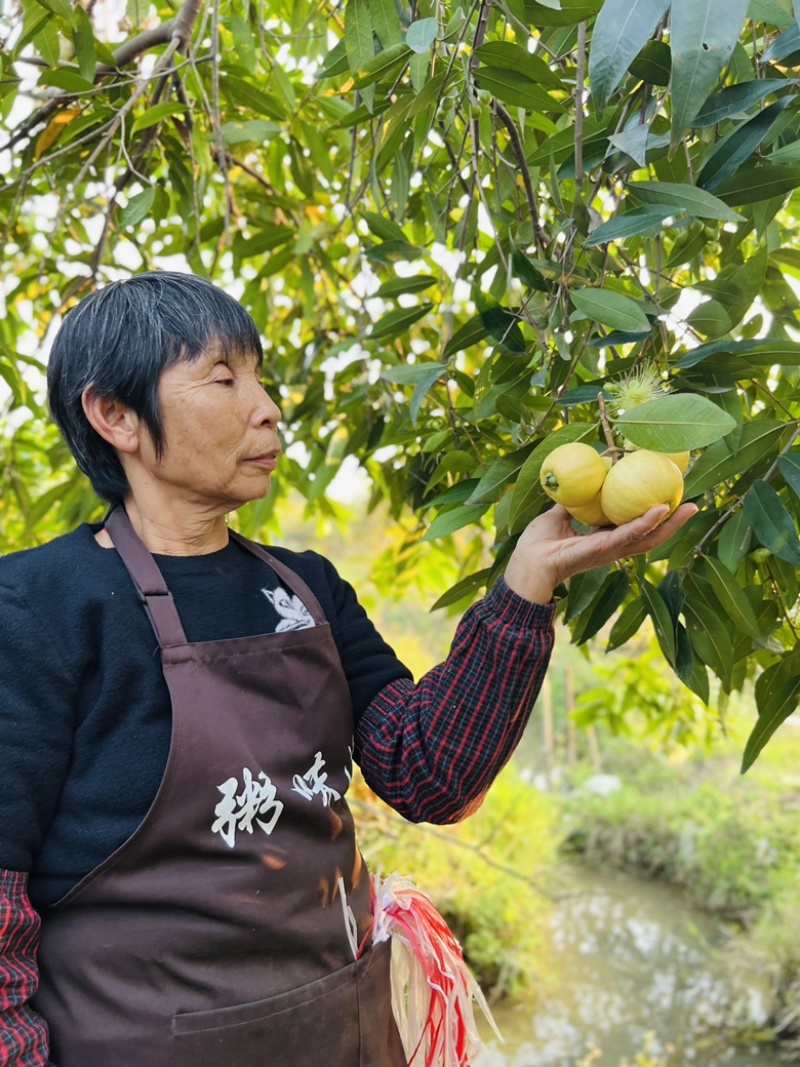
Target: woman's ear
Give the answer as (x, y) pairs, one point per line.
(114, 421)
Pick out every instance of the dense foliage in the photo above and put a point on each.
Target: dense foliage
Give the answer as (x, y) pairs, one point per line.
(463, 227)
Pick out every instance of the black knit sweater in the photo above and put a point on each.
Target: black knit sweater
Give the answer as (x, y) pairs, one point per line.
(82, 687)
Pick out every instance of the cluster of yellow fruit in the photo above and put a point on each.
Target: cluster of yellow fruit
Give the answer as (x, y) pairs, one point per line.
(599, 492)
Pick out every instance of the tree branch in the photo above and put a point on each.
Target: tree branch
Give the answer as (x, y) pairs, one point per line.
(178, 28)
(519, 151)
(579, 78)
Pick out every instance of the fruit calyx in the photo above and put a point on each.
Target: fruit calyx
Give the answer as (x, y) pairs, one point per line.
(572, 474)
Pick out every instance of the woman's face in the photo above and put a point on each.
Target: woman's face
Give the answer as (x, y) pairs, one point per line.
(220, 430)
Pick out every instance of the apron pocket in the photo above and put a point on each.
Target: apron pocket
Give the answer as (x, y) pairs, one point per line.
(318, 1022)
(342, 1020)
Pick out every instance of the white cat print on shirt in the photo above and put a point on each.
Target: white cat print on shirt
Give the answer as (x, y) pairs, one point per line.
(293, 612)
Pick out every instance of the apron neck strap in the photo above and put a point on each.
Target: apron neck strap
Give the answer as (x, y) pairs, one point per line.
(293, 581)
(147, 578)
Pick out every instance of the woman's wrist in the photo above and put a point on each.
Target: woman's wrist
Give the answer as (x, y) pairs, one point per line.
(531, 583)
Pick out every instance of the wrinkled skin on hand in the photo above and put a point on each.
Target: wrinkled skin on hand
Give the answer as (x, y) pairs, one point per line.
(549, 550)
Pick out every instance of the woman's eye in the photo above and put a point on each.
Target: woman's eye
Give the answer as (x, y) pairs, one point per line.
(224, 381)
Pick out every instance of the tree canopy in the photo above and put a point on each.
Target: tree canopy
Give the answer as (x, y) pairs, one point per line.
(468, 231)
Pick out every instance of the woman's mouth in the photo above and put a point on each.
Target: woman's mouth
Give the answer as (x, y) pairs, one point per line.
(268, 461)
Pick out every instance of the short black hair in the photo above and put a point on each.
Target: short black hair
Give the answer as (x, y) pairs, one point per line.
(118, 340)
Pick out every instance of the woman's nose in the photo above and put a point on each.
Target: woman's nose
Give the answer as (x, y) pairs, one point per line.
(267, 411)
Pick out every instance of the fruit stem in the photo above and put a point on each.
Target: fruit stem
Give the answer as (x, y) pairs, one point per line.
(605, 424)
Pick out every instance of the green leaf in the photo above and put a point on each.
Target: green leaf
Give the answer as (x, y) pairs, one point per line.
(46, 40)
(662, 622)
(413, 284)
(503, 327)
(516, 89)
(566, 13)
(787, 153)
(620, 32)
(157, 114)
(641, 220)
(66, 78)
(628, 624)
(469, 334)
(381, 65)
(709, 318)
(708, 632)
(527, 273)
(264, 240)
(582, 589)
(83, 39)
(732, 597)
(675, 423)
(450, 521)
(383, 227)
(734, 541)
(734, 99)
(36, 17)
(411, 373)
(421, 35)
(467, 585)
(759, 183)
(254, 131)
(509, 56)
(747, 354)
(9, 372)
(358, 39)
(634, 142)
(757, 440)
(137, 208)
(612, 309)
(653, 64)
(771, 522)
(783, 46)
(386, 22)
(789, 466)
(61, 8)
(500, 473)
(433, 373)
(394, 323)
(733, 150)
(335, 63)
(242, 93)
(777, 696)
(687, 199)
(703, 35)
(612, 593)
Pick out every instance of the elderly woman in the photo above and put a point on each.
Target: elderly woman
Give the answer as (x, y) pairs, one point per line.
(180, 883)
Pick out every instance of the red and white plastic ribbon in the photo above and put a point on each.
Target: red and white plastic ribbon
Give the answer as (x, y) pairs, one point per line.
(433, 990)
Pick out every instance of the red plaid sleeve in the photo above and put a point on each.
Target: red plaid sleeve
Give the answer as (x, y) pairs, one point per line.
(23, 1034)
(432, 750)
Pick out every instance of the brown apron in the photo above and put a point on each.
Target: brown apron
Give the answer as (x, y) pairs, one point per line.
(217, 935)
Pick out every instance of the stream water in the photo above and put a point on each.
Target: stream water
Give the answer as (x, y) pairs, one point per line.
(629, 966)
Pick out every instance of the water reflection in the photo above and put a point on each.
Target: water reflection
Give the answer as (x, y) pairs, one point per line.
(629, 966)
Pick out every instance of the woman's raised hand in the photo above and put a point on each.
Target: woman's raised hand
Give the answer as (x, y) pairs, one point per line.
(549, 550)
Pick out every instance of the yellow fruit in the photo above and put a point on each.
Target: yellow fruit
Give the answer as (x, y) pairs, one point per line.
(680, 459)
(572, 474)
(591, 514)
(638, 482)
